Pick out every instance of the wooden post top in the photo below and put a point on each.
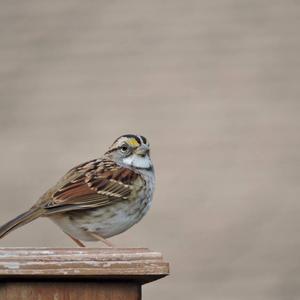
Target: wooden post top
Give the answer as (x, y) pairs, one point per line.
(136, 264)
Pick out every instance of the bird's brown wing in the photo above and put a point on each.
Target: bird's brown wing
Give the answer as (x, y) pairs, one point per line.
(93, 184)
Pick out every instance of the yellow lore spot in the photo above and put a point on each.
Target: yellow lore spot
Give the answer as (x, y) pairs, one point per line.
(133, 142)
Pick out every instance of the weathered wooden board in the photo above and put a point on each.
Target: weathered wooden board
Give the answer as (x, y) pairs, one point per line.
(139, 264)
(68, 290)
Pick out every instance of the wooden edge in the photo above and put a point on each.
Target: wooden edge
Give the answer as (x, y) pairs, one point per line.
(137, 264)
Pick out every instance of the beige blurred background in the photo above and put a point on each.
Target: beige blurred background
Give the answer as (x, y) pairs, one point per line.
(214, 85)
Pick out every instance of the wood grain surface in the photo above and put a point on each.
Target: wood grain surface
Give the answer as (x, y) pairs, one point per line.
(139, 264)
(77, 274)
(58, 290)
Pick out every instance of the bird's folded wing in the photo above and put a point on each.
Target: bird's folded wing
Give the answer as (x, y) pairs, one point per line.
(93, 184)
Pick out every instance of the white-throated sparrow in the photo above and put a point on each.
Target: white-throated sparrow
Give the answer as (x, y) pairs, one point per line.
(99, 198)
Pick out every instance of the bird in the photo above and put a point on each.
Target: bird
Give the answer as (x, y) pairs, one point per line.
(99, 198)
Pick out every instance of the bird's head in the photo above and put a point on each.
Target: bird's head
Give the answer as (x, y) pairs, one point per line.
(131, 150)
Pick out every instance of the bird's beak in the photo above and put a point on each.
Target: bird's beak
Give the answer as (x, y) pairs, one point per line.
(142, 150)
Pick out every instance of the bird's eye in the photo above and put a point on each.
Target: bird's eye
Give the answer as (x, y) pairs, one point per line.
(124, 148)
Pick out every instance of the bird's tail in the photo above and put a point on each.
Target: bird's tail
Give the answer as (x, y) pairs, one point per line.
(20, 220)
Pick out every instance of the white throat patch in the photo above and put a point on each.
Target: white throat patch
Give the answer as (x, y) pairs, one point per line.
(138, 161)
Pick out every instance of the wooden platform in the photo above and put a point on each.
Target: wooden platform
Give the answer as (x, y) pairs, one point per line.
(77, 273)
